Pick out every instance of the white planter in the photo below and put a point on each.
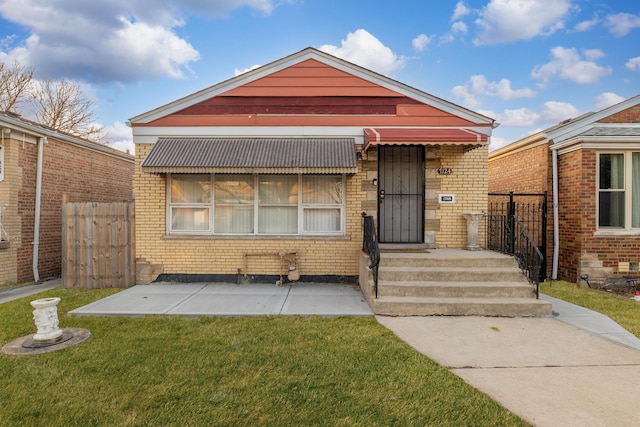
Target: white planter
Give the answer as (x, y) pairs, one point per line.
(45, 317)
(473, 219)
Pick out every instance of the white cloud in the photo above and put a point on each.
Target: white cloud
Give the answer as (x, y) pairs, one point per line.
(606, 100)
(587, 25)
(521, 117)
(116, 41)
(365, 50)
(633, 64)
(551, 113)
(568, 64)
(421, 42)
(459, 27)
(238, 71)
(460, 11)
(120, 137)
(505, 21)
(478, 85)
(593, 54)
(554, 112)
(621, 24)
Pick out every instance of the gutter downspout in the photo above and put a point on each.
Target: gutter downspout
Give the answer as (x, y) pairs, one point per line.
(556, 227)
(36, 222)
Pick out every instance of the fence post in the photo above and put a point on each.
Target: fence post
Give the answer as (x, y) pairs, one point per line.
(511, 209)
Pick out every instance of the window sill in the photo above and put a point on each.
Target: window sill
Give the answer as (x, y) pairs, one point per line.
(616, 233)
(252, 237)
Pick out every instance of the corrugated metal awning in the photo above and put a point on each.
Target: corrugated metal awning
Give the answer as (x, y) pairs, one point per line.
(252, 155)
(424, 136)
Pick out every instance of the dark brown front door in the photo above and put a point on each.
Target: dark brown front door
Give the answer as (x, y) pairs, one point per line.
(401, 194)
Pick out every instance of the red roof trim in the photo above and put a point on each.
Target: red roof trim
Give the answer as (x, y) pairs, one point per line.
(423, 136)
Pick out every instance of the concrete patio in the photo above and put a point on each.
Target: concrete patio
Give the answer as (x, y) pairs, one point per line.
(222, 299)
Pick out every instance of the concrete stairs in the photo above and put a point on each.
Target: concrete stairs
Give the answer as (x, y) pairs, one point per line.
(453, 283)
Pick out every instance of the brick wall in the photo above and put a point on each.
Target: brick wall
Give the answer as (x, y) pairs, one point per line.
(84, 174)
(609, 249)
(630, 115)
(468, 182)
(317, 256)
(521, 171)
(526, 170)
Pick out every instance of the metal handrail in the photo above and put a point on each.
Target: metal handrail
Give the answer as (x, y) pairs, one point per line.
(527, 254)
(371, 247)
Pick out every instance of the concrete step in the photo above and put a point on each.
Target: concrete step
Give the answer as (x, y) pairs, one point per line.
(445, 260)
(507, 289)
(499, 307)
(452, 274)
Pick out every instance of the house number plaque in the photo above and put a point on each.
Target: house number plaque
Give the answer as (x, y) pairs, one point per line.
(444, 171)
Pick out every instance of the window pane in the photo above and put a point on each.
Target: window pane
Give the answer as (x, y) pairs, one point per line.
(234, 204)
(190, 219)
(234, 189)
(190, 188)
(278, 220)
(322, 189)
(233, 219)
(611, 171)
(278, 189)
(322, 220)
(611, 209)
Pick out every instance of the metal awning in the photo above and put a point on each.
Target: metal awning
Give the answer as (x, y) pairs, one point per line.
(252, 155)
(424, 136)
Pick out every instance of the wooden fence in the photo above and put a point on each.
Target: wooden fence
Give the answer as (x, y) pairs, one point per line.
(98, 245)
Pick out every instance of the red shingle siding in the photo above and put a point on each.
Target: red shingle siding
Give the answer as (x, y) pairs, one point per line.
(84, 175)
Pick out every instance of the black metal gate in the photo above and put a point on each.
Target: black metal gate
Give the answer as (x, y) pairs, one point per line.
(514, 214)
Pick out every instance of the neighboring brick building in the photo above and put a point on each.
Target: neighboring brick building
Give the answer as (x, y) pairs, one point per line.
(598, 198)
(83, 170)
(274, 167)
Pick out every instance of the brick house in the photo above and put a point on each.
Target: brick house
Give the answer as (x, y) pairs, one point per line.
(37, 166)
(594, 162)
(268, 173)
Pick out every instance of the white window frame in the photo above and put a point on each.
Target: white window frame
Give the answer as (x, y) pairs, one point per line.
(627, 190)
(301, 207)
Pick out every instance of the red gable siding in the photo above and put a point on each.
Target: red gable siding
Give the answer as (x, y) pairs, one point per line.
(310, 78)
(310, 93)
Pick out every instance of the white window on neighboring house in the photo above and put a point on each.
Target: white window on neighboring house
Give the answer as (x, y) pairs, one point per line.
(243, 204)
(619, 190)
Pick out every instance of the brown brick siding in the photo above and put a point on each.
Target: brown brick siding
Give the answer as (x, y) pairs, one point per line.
(630, 115)
(609, 249)
(85, 175)
(526, 171)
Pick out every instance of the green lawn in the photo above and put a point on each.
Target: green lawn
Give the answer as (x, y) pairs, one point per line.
(624, 310)
(245, 371)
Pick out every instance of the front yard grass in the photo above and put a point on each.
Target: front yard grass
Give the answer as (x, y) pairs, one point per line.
(623, 310)
(244, 371)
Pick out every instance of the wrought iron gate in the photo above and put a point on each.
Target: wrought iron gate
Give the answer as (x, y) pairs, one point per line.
(516, 216)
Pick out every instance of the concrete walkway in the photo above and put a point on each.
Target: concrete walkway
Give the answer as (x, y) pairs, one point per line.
(576, 368)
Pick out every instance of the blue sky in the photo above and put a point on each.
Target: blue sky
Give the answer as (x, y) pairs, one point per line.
(526, 63)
